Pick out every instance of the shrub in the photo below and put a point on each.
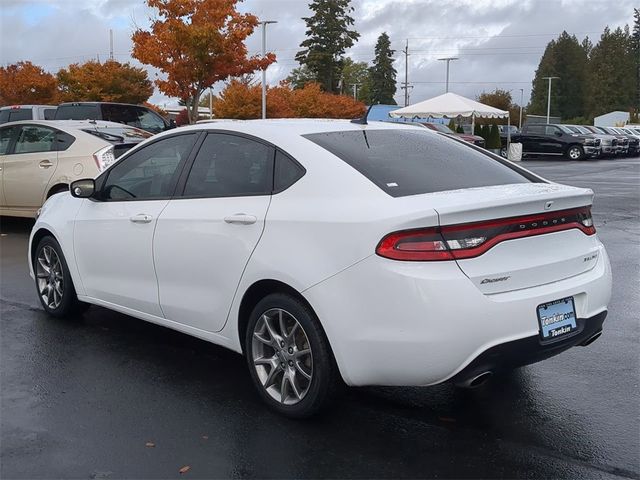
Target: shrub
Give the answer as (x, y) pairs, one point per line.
(494, 138)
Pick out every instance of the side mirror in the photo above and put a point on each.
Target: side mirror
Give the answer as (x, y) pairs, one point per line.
(84, 188)
(557, 133)
(172, 124)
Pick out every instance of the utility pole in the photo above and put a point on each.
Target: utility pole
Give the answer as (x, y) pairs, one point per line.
(110, 44)
(549, 96)
(355, 90)
(447, 59)
(264, 24)
(406, 73)
(211, 102)
(521, 101)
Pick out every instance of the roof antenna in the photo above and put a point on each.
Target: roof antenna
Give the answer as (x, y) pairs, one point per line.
(363, 120)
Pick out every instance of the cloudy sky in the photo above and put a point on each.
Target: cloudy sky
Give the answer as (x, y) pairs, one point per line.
(498, 42)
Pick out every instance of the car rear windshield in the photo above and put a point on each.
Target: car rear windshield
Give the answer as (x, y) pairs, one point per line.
(411, 162)
(77, 112)
(117, 135)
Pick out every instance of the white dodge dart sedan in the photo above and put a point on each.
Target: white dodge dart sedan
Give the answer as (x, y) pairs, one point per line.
(328, 251)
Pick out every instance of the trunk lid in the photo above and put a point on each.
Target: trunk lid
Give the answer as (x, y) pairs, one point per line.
(546, 254)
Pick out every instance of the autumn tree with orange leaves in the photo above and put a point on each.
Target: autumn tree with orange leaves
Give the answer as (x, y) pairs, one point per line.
(26, 83)
(197, 43)
(110, 81)
(242, 101)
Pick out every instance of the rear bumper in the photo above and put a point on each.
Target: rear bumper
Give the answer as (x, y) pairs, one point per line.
(526, 351)
(418, 324)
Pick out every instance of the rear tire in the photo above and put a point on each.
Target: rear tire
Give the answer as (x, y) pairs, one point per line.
(53, 281)
(289, 357)
(575, 152)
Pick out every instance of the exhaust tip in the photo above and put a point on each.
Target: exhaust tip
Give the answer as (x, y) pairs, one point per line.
(591, 339)
(479, 379)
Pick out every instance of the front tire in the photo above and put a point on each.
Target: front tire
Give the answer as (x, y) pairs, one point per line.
(575, 152)
(53, 280)
(289, 357)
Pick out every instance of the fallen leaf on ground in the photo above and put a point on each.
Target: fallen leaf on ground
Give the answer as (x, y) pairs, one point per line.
(184, 469)
(205, 437)
(150, 444)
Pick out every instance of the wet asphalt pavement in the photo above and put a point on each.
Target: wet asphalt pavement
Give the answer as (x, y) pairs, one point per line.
(82, 397)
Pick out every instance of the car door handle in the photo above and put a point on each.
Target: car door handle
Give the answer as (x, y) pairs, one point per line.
(141, 218)
(241, 219)
(46, 164)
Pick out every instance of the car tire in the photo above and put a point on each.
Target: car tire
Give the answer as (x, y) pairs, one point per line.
(289, 357)
(575, 152)
(54, 285)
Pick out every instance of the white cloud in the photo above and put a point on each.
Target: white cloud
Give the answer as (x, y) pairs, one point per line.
(497, 41)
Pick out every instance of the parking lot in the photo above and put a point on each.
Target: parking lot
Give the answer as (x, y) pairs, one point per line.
(108, 396)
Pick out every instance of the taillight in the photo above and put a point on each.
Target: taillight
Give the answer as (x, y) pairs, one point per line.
(104, 158)
(470, 240)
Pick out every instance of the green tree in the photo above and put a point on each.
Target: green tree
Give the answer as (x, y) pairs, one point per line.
(356, 73)
(300, 76)
(613, 73)
(452, 125)
(328, 37)
(566, 58)
(494, 137)
(485, 132)
(383, 75)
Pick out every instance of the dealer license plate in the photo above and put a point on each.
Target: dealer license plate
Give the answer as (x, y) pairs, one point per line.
(557, 318)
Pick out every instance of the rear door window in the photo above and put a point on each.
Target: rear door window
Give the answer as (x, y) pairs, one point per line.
(34, 139)
(230, 166)
(411, 162)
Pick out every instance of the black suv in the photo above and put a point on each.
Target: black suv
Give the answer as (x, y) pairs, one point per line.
(547, 139)
(133, 115)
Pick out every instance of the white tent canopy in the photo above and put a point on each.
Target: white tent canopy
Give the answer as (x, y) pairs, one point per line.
(449, 105)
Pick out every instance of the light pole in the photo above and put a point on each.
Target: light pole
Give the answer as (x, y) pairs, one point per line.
(549, 95)
(521, 100)
(264, 24)
(355, 90)
(447, 59)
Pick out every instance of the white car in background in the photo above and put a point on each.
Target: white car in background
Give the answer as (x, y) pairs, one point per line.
(41, 158)
(377, 254)
(16, 113)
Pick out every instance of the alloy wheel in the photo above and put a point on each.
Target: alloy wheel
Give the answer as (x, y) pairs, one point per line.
(282, 357)
(49, 276)
(575, 153)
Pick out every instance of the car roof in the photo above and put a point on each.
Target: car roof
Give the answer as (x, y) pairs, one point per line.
(102, 103)
(293, 126)
(15, 107)
(71, 123)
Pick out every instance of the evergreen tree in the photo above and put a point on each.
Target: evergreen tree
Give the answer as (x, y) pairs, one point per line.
(494, 137)
(566, 58)
(613, 73)
(452, 125)
(328, 36)
(383, 75)
(485, 131)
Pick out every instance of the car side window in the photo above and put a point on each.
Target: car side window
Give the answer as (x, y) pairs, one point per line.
(229, 166)
(34, 139)
(551, 130)
(150, 172)
(535, 129)
(287, 172)
(20, 114)
(149, 121)
(6, 135)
